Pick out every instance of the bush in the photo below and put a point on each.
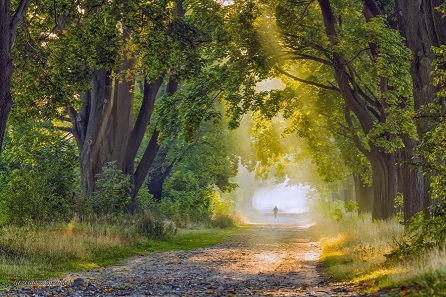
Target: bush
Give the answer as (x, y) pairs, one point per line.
(185, 201)
(113, 189)
(149, 226)
(223, 212)
(37, 176)
(32, 198)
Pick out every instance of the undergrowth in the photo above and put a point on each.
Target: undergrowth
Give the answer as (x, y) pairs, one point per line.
(368, 254)
(353, 249)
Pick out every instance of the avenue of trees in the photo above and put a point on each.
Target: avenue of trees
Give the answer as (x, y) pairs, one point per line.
(368, 75)
(114, 106)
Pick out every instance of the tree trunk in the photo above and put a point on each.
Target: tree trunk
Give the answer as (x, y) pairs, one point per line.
(349, 192)
(422, 28)
(122, 108)
(337, 196)
(385, 184)
(411, 180)
(364, 195)
(143, 169)
(150, 92)
(157, 182)
(91, 129)
(8, 28)
(159, 174)
(6, 102)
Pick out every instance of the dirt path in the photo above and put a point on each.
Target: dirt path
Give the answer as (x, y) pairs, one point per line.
(268, 260)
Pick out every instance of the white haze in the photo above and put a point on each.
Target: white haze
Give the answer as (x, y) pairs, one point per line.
(288, 199)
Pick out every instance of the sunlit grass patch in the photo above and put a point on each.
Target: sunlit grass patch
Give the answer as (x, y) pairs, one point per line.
(188, 239)
(353, 250)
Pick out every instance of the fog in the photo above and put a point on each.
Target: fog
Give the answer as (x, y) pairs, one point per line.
(288, 199)
(258, 199)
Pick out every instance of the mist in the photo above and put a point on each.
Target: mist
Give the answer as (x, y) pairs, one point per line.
(257, 199)
(288, 199)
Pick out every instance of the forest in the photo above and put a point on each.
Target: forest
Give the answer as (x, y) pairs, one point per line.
(133, 118)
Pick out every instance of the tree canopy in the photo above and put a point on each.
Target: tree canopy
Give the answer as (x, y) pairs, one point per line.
(154, 88)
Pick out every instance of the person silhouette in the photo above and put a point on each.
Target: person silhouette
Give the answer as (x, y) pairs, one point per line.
(275, 211)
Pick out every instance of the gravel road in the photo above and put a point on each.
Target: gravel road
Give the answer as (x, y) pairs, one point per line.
(266, 260)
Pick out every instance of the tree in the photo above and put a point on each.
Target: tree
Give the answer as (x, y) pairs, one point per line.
(378, 106)
(181, 59)
(422, 25)
(187, 175)
(9, 21)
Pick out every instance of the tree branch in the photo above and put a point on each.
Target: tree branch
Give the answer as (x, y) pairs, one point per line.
(143, 119)
(66, 129)
(312, 58)
(65, 119)
(355, 138)
(308, 82)
(145, 163)
(373, 7)
(18, 15)
(357, 54)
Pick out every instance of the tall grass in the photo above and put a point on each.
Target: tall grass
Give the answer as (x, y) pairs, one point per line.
(425, 275)
(36, 252)
(51, 250)
(354, 250)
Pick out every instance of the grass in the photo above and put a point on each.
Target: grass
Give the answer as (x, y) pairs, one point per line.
(188, 239)
(39, 253)
(353, 251)
(424, 275)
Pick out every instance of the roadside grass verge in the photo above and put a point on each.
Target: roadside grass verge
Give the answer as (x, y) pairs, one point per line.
(353, 251)
(49, 251)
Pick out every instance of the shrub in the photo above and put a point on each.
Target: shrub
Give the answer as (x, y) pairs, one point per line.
(37, 175)
(112, 195)
(223, 212)
(152, 227)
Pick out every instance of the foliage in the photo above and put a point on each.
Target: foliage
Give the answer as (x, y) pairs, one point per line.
(425, 232)
(37, 174)
(113, 188)
(392, 63)
(193, 170)
(185, 201)
(422, 234)
(432, 149)
(399, 203)
(334, 210)
(223, 212)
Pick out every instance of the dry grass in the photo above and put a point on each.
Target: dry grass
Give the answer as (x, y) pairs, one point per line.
(47, 251)
(29, 253)
(425, 275)
(353, 251)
